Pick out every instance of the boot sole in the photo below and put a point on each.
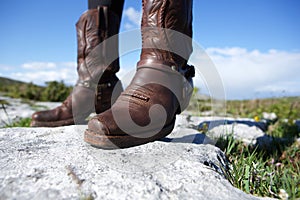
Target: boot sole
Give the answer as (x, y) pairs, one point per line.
(123, 141)
(52, 124)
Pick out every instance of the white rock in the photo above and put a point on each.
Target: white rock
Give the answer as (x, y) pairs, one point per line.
(18, 109)
(243, 129)
(269, 116)
(242, 132)
(41, 163)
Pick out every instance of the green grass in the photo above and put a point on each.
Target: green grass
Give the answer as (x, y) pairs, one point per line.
(266, 171)
(284, 108)
(274, 170)
(23, 122)
(3, 102)
(260, 173)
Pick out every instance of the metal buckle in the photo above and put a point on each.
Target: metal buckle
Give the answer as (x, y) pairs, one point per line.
(86, 84)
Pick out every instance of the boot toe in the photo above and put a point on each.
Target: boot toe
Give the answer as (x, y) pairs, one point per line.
(97, 127)
(43, 116)
(36, 116)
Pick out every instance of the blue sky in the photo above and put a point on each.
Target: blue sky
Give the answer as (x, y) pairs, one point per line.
(254, 44)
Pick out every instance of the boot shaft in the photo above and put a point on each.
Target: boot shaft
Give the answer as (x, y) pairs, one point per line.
(167, 32)
(97, 55)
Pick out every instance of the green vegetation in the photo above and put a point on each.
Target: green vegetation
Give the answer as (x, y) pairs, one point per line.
(262, 173)
(284, 108)
(3, 102)
(271, 171)
(267, 171)
(24, 122)
(54, 90)
(199, 103)
(6, 81)
(29, 93)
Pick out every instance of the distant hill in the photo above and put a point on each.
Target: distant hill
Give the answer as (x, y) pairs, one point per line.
(53, 91)
(7, 81)
(19, 89)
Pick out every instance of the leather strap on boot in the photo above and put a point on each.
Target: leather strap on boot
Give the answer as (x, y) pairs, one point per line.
(180, 81)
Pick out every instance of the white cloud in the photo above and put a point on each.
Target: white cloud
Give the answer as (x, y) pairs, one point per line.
(248, 74)
(41, 72)
(245, 74)
(40, 77)
(128, 26)
(39, 65)
(134, 18)
(71, 65)
(5, 67)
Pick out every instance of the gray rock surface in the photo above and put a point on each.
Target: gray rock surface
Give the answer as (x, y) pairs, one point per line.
(245, 133)
(41, 163)
(17, 109)
(246, 130)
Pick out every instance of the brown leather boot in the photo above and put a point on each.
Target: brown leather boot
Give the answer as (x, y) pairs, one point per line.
(162, 86)
(96, 67)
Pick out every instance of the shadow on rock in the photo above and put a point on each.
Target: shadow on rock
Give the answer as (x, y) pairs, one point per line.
(198, 138)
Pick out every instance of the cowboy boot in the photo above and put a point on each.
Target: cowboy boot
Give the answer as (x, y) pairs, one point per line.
(97, 65)
(162, 86)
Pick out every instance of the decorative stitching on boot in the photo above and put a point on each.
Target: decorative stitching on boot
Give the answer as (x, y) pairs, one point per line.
(141, 97)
